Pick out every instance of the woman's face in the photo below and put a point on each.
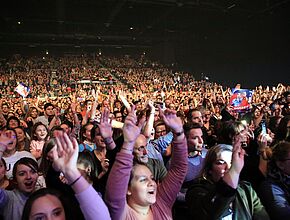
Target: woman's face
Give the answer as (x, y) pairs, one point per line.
(20, 134)
(41, 132)
(34, 113)
(221, 165)
(26, 178)
(13, 123)
(47, 207)
(142, 190)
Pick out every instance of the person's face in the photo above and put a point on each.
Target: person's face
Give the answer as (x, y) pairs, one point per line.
(257, 113)
(26, 178)
(140, 151)
(119, 117)
(194, 140)
(206, 116)
(221, 165)
(2, 170)
(5, 109)
(49, 111)
(47, 207)
(41, 132)
(197, 117)
(34, 113)
(87, 133)
(171, 106)
(12, 145)
(143, 188)
(13, 123)
(20, 134)
(160, 131)
(156, 116)
(99, 141)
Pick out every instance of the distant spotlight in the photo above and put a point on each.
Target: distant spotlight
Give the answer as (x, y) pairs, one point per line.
(131, 28)
(233, 5)
(46, 52)
(19, 22)
(206, 78)
(43, 58)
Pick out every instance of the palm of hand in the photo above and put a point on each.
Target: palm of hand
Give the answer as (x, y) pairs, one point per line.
(64, 160)
(130, 132)
(105, 129)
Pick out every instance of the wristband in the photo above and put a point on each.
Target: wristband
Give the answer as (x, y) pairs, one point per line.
(178, 133)
(75, 181)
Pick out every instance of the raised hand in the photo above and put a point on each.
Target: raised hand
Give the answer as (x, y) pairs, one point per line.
(95, 95)
(105, 164)
(5, 139)
(105, 125)
(130, 130)
(65, 157)
(171, 120)
(238, 154)
(122, 97)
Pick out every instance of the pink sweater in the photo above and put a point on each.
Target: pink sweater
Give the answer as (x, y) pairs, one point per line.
(118, 180)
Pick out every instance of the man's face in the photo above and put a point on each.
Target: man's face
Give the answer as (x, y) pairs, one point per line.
(196, 117)
(49, 111)
(194, 140)
(5, 109)
(119, 117)
(140, 152)
(160, 131)
(87, 133)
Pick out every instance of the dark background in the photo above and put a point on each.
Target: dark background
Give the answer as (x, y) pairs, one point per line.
(230, 41)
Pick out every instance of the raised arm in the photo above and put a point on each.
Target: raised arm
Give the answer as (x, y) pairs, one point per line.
(117, 185)
(149, 124)
(65, 161)
(170, 186)
(106, 131)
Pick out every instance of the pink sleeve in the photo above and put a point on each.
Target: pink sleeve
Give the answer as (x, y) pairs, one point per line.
(92, 205)
(170, 186)
(117, 185)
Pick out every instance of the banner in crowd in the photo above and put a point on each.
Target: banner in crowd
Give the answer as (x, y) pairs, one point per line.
(241, 99)
(22, 89)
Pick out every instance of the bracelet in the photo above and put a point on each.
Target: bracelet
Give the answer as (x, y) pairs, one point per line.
(75, 181)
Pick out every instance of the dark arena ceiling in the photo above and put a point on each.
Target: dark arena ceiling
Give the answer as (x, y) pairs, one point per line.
(133, 23)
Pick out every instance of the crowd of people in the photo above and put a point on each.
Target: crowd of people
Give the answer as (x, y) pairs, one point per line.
(121, 138)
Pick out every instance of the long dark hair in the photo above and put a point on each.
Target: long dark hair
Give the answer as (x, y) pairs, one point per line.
(45, 163)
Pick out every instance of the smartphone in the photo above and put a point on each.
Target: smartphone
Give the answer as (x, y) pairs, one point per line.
(264, 128)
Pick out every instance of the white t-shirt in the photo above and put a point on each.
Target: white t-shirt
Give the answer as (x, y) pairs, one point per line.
(10, 161)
